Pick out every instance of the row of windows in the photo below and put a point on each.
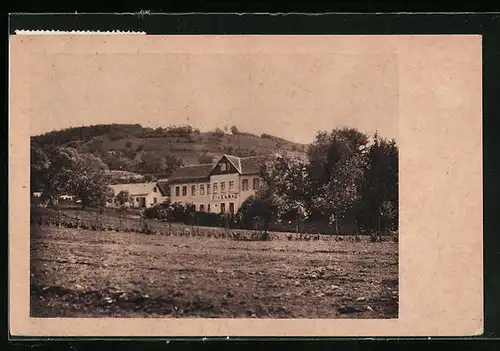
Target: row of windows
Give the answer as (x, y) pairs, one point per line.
(201, 207)
(202, 187)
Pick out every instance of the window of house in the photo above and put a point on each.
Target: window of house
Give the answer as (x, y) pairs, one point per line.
(184, 190)
(231, 185)
(155, 200)
(256, 183)
(202, 189)
(223, 167)
(202, 208)
(244, 184)
(215, 188)
(177, 191)
(222, 187)
(208, 189)
(231, 207)
(208, 207)
(223, 208)
(193, 190)
(155, 190)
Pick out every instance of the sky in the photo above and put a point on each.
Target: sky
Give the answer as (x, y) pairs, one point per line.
(288, 93)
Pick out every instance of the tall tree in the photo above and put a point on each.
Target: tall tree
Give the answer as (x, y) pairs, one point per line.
(172, 163)
(339, 196)
(287, 181)
(87, 182)
(380, 191)
(62, 170)
(336, 164)
(150, 163)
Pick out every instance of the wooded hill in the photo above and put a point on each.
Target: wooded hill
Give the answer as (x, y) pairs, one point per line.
(133, 147)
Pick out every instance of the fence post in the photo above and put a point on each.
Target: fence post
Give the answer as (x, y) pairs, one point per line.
(379, 231)
(58, 216)
(197, 224)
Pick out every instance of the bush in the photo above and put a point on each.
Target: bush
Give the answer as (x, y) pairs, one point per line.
(254, 211)
(152, 212)
(219, 133)
(208, 219)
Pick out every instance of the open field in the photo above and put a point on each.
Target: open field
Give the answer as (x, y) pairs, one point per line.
(81, 273)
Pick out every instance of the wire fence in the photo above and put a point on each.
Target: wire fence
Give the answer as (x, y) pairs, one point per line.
(117, 221)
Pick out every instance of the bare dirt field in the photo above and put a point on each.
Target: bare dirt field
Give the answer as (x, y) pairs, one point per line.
(81, 273)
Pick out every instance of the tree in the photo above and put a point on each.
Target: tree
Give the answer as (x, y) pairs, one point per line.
(93, 191)
(123, 198)
(96, 146)
(172, 163)
(62, 170)
(339, 196)
(218, 133)
(51, 171)
(89, 183)
(380, 193)
(286, 178)
(330, 148)
(257, 209)
(140, 148)
(39, 166)
(336, 164)
(117, 160)
(150, 163)
(234, 130)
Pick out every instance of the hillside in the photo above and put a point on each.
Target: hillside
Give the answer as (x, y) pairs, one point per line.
(131, 146)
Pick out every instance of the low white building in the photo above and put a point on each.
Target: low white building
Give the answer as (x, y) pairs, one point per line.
(142, 195)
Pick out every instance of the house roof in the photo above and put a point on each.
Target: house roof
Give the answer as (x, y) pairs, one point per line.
(163, 186)
(134, 189)
(244, 165)
(236, 161)
(191, 173)
(251, 165)
(122, 173)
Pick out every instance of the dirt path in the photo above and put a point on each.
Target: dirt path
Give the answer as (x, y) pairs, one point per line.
(78, 273)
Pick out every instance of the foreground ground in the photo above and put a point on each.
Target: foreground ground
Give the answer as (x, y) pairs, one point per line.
(80, 273)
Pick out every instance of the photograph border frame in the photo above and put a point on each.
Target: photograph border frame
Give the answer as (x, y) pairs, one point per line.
(484, 24)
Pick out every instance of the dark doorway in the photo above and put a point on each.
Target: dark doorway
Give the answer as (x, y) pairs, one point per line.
(142, 202)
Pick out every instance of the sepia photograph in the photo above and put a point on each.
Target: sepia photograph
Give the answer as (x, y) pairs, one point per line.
(158, 193)
(237, 185)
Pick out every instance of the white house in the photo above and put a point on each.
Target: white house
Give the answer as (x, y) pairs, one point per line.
(143, 195)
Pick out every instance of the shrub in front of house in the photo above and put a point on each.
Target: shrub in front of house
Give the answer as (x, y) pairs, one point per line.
(207, 219)
(152, 212)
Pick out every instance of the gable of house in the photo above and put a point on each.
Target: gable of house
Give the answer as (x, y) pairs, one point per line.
(227, 165)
